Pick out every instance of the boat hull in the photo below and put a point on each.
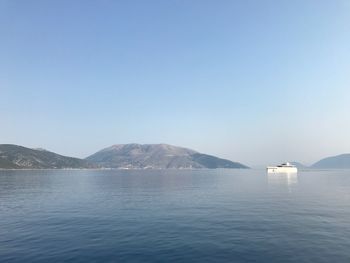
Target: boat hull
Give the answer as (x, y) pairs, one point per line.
(276, 169)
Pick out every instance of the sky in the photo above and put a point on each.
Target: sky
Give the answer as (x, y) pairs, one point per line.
(259, 82)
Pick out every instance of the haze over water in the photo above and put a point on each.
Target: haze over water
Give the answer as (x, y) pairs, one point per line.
(173, 216)
(255, 82)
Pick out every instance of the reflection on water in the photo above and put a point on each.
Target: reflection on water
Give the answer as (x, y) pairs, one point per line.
(174, 216)
(288, 179)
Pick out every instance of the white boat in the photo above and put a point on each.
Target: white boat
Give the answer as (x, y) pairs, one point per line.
(282, 168)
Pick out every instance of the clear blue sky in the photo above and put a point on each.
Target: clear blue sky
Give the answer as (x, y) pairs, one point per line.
(253, 81)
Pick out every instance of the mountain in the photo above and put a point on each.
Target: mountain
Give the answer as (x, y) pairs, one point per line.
(19, 157)
(134, 156)
(299, 165)
(334, 162)
(157, 156)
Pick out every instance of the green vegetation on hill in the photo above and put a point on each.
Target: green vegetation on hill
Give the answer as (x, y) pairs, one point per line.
(126, 156)
(19, 157)
(157, 156)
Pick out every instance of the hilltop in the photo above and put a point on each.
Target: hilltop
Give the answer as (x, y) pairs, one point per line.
(121, 156)
(157, 156)
(19, 157)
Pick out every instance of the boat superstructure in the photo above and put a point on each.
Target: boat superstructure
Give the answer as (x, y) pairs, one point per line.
(282, 168)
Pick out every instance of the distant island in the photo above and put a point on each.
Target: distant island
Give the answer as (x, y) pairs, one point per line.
(136, 156)
(341, 161)
(120, 156)
(19, 157)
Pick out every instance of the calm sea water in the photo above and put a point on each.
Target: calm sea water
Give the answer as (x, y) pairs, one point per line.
(174, 216)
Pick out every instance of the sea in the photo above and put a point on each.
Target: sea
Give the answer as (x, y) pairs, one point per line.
(223, 215)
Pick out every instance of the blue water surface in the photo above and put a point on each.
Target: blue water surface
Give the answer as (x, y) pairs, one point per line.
(174, 216)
